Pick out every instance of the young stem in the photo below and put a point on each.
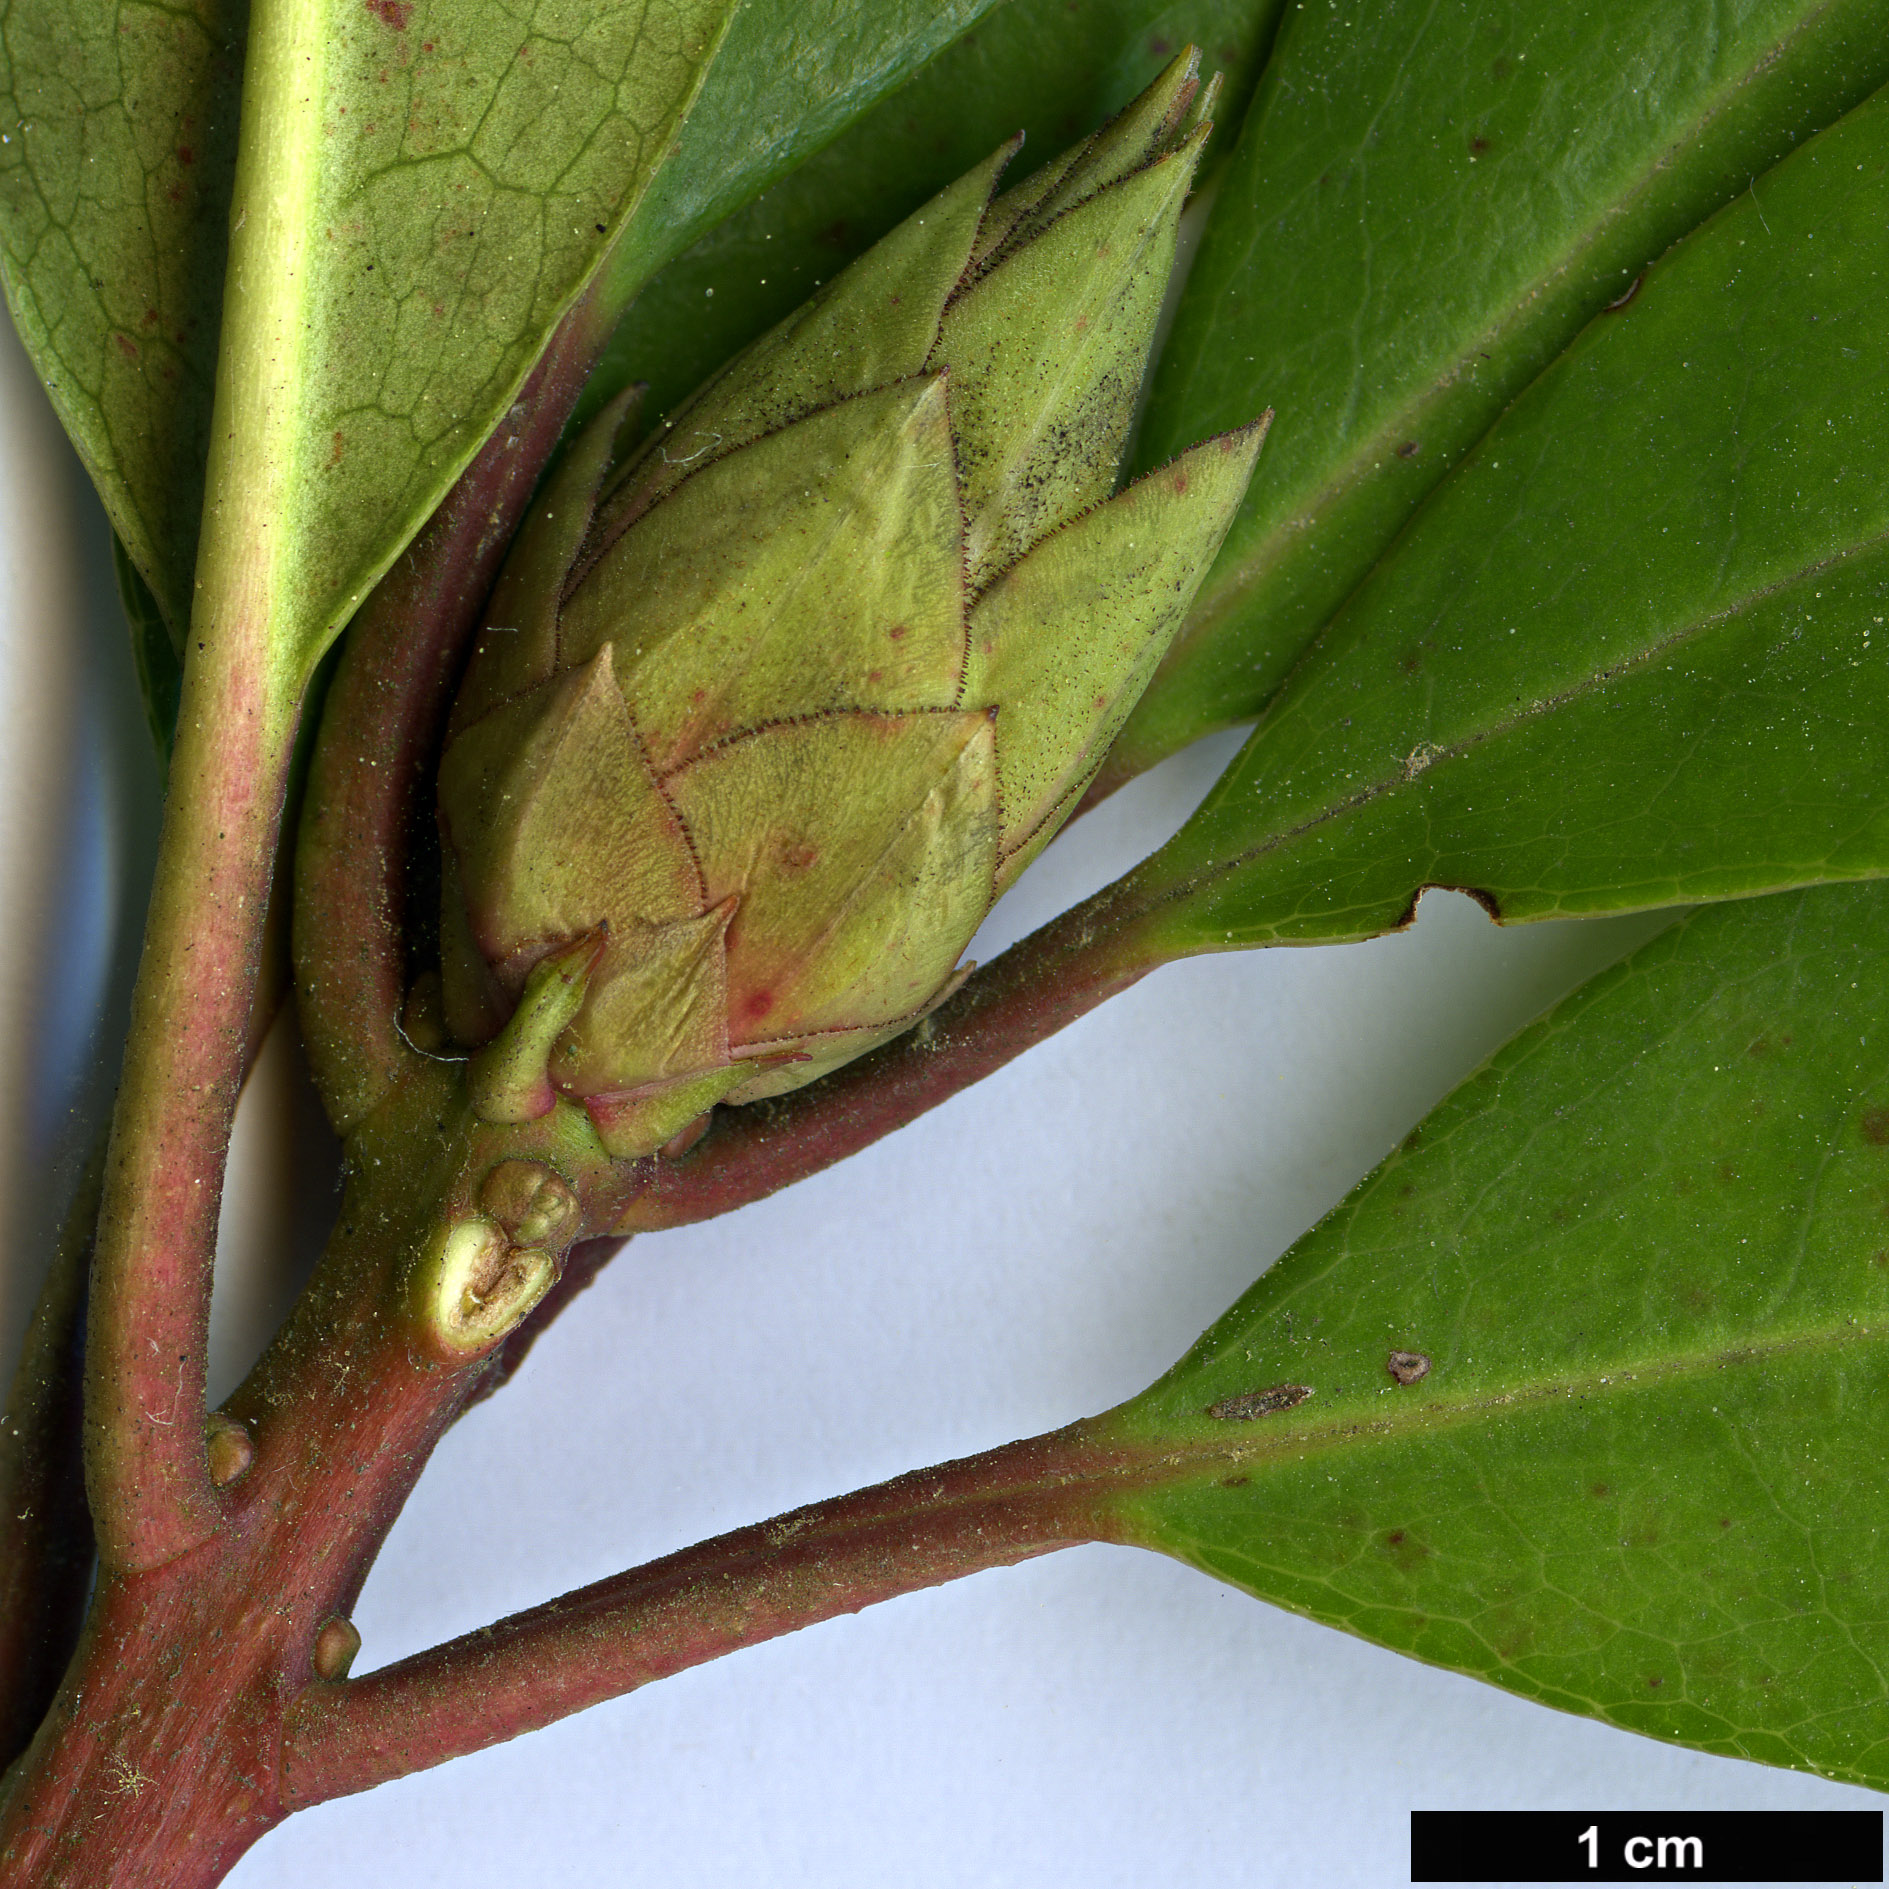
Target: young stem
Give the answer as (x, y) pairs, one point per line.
(607, 1639)
(371, 782)
(45, 1530)
(149, 1486)
(157, 1763)
(1036, 988)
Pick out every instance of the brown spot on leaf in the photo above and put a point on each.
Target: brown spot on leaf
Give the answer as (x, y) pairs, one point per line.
(1725, 1521)
(337, 449)
(1407, 1550)
(1656, 1682)
(1409, 449)
(185, 155)
(759, 1003)
(1600, 1491)
(1407, 1366)
(1478, 145)
(1876, 1126)
(1234, 1482)
(1250, 1404)
(1880, 1259)
(394, 13)
(126, 346)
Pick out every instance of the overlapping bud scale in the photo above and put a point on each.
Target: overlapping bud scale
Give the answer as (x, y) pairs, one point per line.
(765, 717)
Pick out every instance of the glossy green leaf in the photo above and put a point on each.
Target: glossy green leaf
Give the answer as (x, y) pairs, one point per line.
(1636, 1275)
(1426, 205)
(790, 77)
(1633, 652)
(1052, 68)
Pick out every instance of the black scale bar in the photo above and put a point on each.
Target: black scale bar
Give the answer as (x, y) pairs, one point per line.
(1702, 1846)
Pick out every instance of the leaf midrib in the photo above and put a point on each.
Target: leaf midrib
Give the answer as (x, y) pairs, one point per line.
(1224, 598)
(1266, 1439)
(1443, 755)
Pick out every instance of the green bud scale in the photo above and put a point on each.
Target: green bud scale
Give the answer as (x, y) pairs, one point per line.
(767, 714)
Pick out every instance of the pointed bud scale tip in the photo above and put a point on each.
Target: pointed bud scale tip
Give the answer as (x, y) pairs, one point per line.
(1047, 351)
(1065, 641)
(510, 1079)
(777, 706)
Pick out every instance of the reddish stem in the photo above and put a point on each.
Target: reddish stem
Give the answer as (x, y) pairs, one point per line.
(157, 1764)
(607, 1639)
(371, 782)
(45, 1528)
(149, 1318)
(1036, 988)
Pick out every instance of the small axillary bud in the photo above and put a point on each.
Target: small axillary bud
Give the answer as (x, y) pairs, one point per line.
(337, 1641)
(533, 1203)
(510, 1079)
(229, 1450)
(473, 1286)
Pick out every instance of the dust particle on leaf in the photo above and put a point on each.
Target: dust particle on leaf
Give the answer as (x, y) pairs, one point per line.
(1407, 1366)
(1250, 1404)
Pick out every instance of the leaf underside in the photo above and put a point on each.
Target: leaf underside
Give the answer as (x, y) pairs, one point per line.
(478, 160)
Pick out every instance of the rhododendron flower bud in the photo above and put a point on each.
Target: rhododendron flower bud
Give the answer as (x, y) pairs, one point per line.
(767, 715)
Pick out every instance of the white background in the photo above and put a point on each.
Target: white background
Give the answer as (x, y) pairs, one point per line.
(1034, 1251)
